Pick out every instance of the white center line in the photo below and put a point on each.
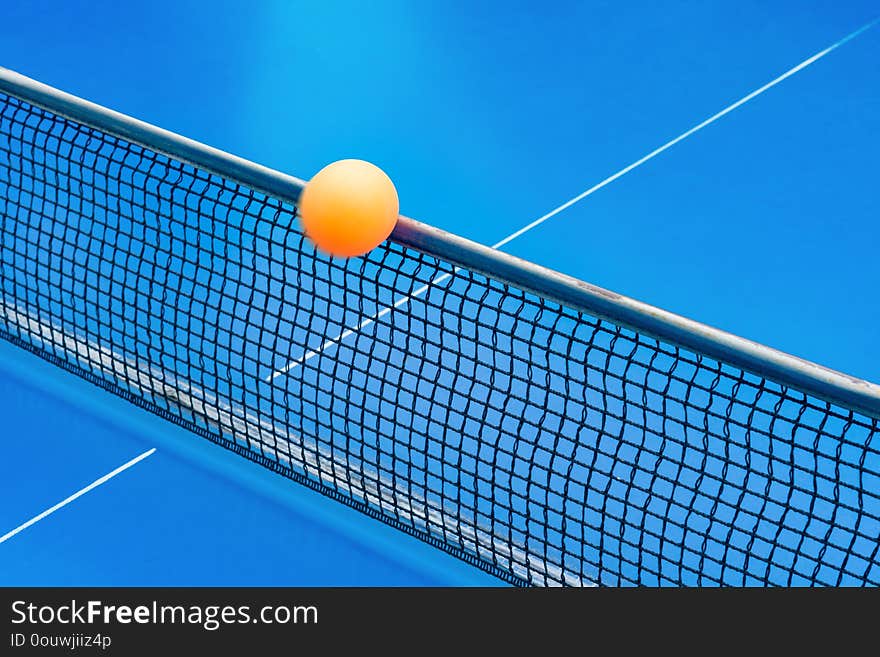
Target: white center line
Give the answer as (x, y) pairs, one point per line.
(576, 199)
(107, 477)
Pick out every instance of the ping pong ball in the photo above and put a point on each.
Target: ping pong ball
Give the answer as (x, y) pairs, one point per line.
(348, 208)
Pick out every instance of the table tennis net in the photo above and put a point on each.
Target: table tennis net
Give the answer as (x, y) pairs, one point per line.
(540, 443)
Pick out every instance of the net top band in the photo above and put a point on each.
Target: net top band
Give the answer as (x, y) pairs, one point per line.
(800, 374)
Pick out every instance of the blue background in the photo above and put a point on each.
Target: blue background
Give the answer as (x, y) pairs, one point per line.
(766, 224)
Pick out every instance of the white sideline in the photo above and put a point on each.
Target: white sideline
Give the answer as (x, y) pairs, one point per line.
(98, 482)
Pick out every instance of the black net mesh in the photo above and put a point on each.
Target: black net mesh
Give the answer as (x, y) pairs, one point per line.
(539, 443)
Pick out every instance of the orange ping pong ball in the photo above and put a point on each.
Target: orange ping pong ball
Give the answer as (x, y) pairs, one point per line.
(348, 208)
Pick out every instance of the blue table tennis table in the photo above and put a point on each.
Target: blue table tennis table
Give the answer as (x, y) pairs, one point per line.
(100, 491)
